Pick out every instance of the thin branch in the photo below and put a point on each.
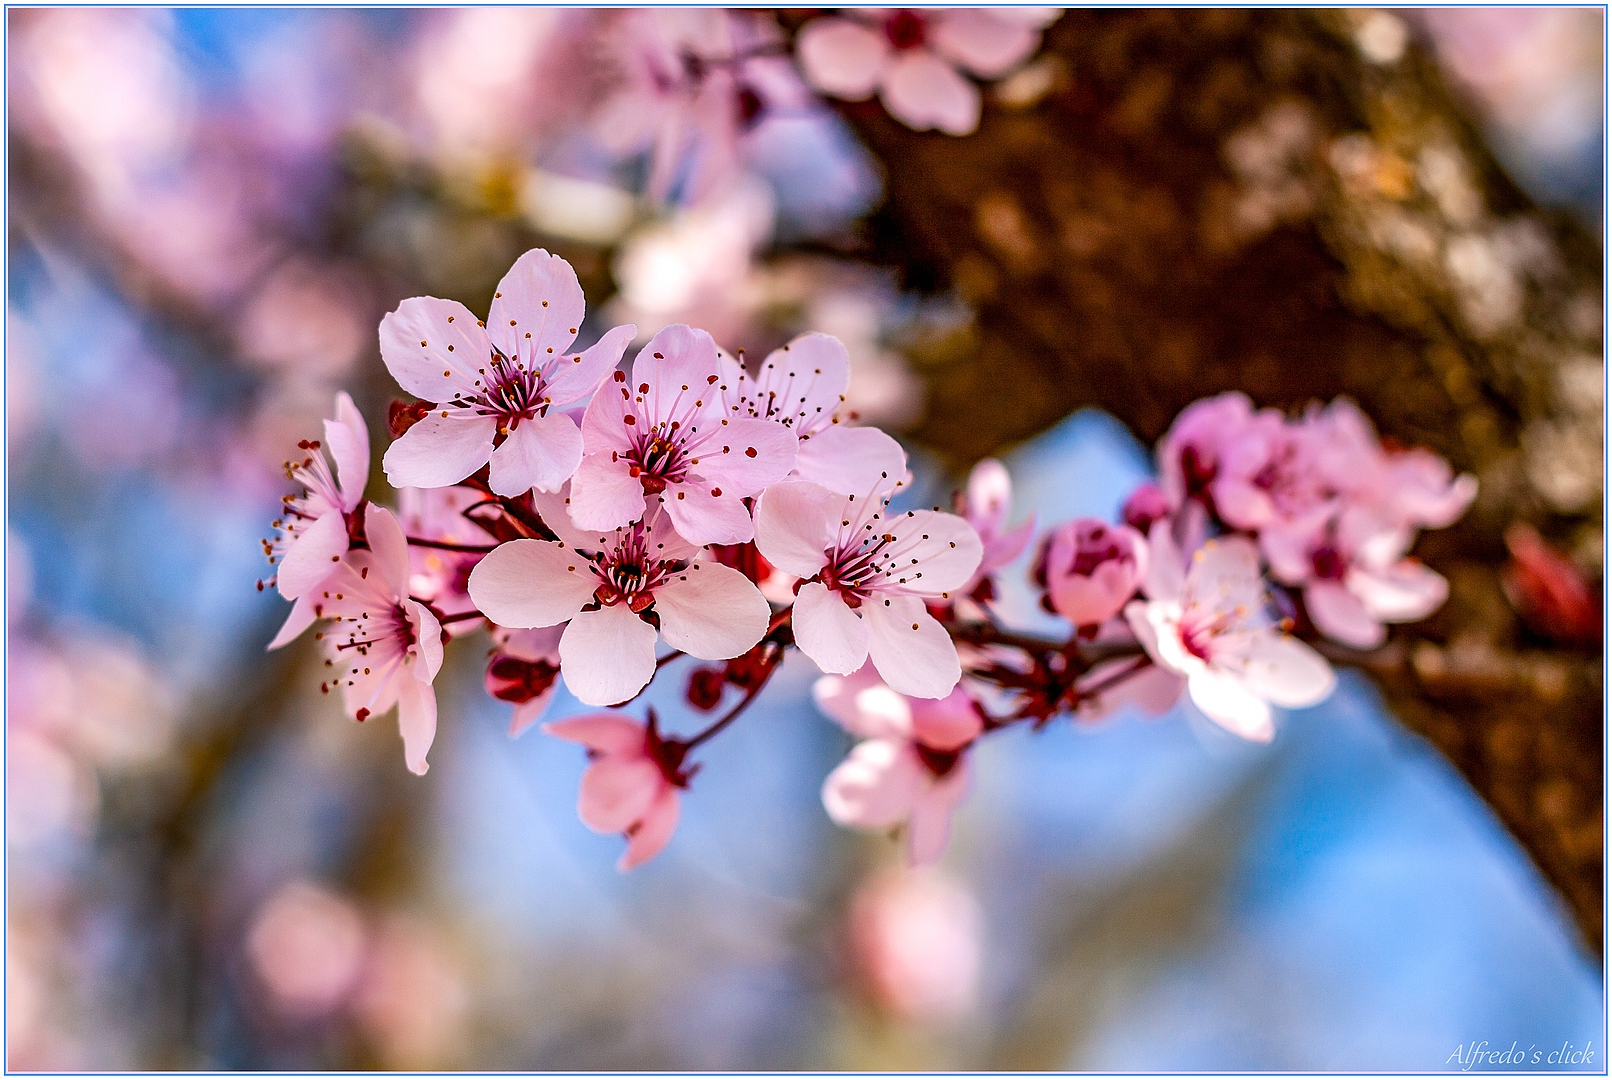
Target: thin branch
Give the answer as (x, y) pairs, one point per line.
(733, 714)
(443, 545)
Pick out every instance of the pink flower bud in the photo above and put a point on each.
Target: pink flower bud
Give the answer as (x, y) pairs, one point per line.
(1146, 505)
(1090, 568)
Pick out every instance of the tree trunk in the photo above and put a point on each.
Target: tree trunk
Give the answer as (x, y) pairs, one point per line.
(1169, 204)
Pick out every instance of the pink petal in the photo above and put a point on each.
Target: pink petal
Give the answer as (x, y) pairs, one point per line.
(539, 296)
(948, 724)
(654, 830)
(930, 823)
(604, 426)
(1225, 700)
(912, 651)
(726, 459)
(841, 58)
(1166, 576)
(939, 552)
(1225, 575)
(528, 583)
(863, 705)
(1403, 592)
(850, 460)
(440, 450)
(1287, 549)
(607, 656)
(1339, 614)
(829, 633)
(1242, 504)
(419, 368)
(313, 555)
(389, 548)
(348, 440)
(795, 524)
(416, 722)
(541, 452)
(571, 378)
(604, 495)
(990, 488)
(428, 640)
(302, 616)
(618, 791)
(875, 786)
(923, 91)
(528, 713)
(982, 42)
(1003, 549)
(677, 357)
(711, 611)
(800, 384)
(608, 733)
(1137, 616)
(555, 509)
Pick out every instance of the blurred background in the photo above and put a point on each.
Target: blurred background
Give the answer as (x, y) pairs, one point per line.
(210, 868)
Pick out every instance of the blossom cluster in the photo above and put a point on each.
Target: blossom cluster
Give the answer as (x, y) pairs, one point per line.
(601, 520)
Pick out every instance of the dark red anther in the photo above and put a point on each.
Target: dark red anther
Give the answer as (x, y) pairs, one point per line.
(640, 603)
(361, 715)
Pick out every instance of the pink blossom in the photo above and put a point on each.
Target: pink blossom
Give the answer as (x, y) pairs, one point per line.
(1190, 452)
(1090, 569)
(912, 57)
(522, 670)
(867, 575)
(436, 575)
(664, 433)
(387, 648)
(911, 767)
(802, 386)
(1210, 626)
(1353, 584)
(984, 505)
(307, 947)
(314, 528)
(918, 938)
(1270, 471)
(1144, 506)
(607, 589)
(496, 388)
(627, 788)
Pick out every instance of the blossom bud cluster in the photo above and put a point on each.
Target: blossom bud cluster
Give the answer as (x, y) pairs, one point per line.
(602, 520)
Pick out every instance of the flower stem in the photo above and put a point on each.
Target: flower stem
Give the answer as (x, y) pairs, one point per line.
(733, 714)
(443, 545)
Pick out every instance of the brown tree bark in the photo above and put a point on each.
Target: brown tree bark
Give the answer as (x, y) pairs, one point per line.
(1170, 204)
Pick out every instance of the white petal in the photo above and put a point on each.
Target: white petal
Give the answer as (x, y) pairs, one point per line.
(604, 495)
(990, 488)
(977, 39)
(571, 378)
(539, 296)
(1339, 614)
(829, 633)
(313, 555)
(1404, 592)
(1225, 700)
(528, 583)
(428, 641)
(874, 787)
(711, 611)
(795, 524)
(440, 450)
(348, 440)
(1285, 671)
(390, 548)
(541, 452)
(1166, 575)
(1224, 576)
(912, 651)
(419, 368)
(416, 722)
(850, 460)
(617, 791)
(840, 57)
(923, 91)
(607, 656)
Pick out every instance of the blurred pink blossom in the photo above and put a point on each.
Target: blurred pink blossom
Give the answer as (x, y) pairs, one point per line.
(630, 787)
(306, 946)
(984, 505)
(917, 938)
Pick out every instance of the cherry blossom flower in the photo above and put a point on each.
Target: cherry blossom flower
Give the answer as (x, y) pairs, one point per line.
(984, 505)
(306, 946)
(440, 576)
(1210, 626)
(663, 433)
(313, 532)
(912, 58)
(386, 648)
(612, 591)
(1353, 584)
(802, 386)
(523, 670)
(1189, 454)
(918, 940)
(497, 388)
(632, 785)
(1090, 568)
(867, 574)
(912, 765)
